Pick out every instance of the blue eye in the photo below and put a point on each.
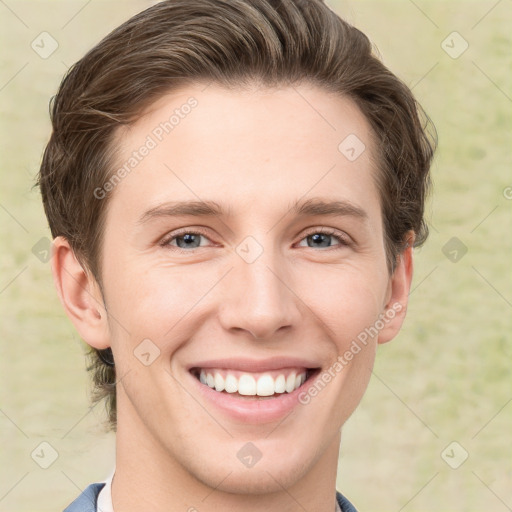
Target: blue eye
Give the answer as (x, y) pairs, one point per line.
(323, 239)
(187, 241)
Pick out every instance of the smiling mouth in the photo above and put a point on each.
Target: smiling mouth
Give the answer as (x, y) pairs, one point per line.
(249, 385)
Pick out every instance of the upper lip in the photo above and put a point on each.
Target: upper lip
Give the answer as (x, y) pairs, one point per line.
(256, 365)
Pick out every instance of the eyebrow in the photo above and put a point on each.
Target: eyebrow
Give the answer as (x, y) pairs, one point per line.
(317, 206)
(183, 208)
(310, 207)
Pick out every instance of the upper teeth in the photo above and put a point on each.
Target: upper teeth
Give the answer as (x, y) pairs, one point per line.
(247, 384)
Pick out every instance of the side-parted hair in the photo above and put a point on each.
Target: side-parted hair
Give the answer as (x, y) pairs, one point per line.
(233, 43)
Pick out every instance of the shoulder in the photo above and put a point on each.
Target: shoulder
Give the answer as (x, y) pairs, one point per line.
(87, 501)
(344, 504)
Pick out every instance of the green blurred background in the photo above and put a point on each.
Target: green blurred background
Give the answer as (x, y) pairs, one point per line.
(445, 379)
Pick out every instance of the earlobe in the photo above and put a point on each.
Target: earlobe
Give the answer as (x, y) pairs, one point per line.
(398, 296)
(80, 295)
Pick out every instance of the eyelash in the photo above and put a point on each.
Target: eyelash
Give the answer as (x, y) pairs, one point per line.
(342, 239)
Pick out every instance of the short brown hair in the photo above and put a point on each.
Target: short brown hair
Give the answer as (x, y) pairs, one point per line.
(232, 43)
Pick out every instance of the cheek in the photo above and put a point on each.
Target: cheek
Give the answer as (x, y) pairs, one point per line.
(165, 303)
(155, 302)
(346, 299)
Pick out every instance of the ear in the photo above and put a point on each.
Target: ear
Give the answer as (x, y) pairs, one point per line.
(398, 293)
(80, 295)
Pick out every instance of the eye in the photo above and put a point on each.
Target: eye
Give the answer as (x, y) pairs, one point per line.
(322, 238)
(185, 240)
(188, 240)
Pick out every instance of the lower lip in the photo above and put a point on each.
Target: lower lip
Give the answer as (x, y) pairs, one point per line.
(254, 410)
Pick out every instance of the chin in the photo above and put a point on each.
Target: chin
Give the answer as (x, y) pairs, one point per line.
(271, 473)
(253, 480)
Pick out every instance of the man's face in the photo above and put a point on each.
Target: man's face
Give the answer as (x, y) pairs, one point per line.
(254, 297)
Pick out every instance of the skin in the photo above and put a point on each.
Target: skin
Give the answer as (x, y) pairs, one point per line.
(254, 152)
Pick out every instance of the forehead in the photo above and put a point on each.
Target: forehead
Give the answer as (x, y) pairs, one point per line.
(257, 147)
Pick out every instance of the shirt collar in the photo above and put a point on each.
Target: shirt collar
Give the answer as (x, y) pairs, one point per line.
(104, 503)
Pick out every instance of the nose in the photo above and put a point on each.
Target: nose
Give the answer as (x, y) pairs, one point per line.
(259, 298)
